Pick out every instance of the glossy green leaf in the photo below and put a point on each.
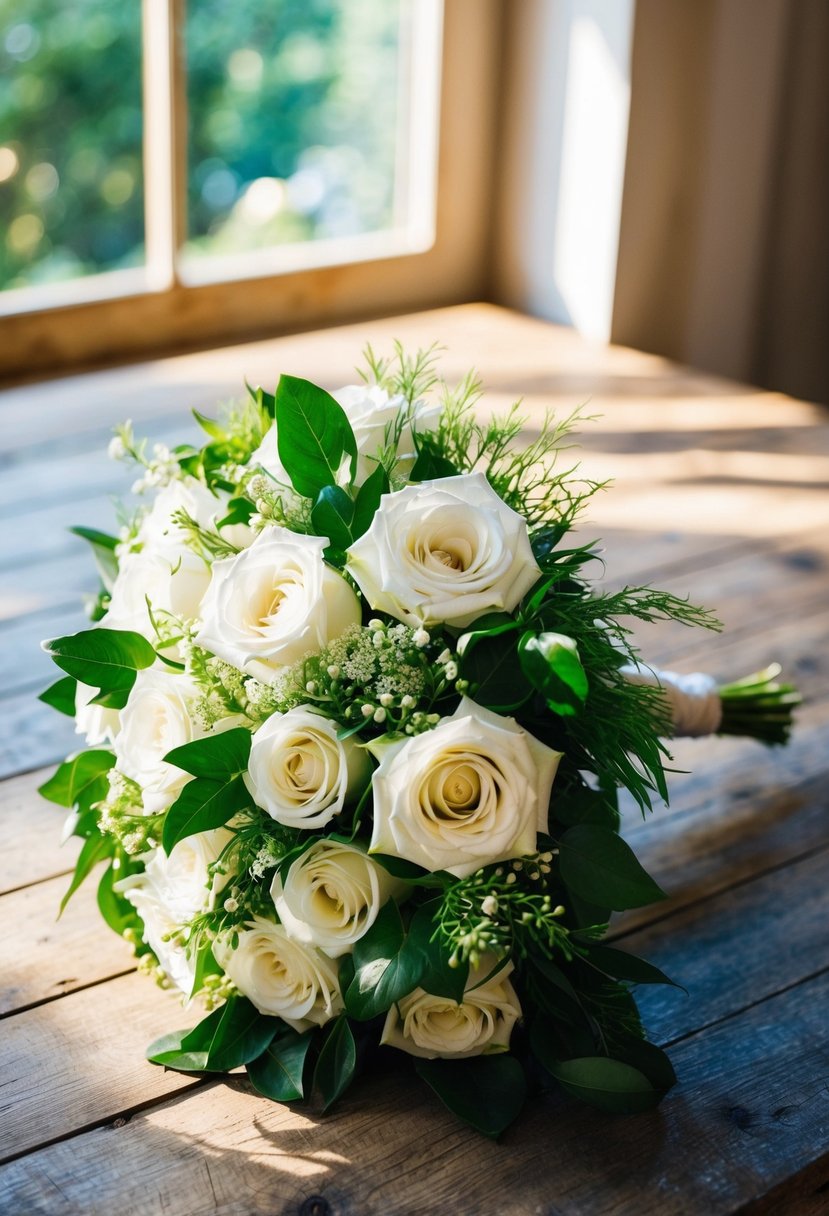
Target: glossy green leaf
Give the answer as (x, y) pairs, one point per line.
(277, 1074)
(220, 754)
(624, 966)
(551, 663)
(314, 435)
(412, 873)
(368, 500)
(95, 848)
(337, 1063)
(383, 971)
(428, 958)
(487, 1092)
(102, 658)
(227, 1038)
(209, 426)
(72, 779)
(103, 551)
(609, 1085)
(489, 661)
(265, 400)
(429, 465)
(239, 511)
(61, 696)
(203, 804)
(600, 867)
(331, 516)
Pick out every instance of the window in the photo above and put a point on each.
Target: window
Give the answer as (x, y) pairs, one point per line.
(171, 174)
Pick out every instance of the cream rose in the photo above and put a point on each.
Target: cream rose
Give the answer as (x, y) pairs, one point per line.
(331, 896)
(156, 718)
(375, 418)
(435, 1027)
(170, 892)
(173, 578)
(300, 772)
(444, 551)
(474, 790)
(271, 604)
(281, 976)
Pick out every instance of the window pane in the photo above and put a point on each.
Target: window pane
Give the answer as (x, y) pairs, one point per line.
(296, 110)
(70, 139)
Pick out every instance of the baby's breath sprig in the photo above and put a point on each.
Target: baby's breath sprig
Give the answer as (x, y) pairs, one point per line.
(275, 504)
(121, 815)
(504, 909)
(207, 542)
(383, 677)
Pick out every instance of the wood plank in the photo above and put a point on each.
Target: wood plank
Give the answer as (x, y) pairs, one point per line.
(31, 734)
(79, 1060)
(32, 851)
(749, 1115)
(780, 916)
(45, 957)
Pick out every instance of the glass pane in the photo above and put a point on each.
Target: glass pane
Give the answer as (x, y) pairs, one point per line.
(295, 110)
(70, 139)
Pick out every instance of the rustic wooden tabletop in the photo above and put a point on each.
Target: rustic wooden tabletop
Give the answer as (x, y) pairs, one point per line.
(721, 492)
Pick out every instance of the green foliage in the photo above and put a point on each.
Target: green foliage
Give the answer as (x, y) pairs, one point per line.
(610, 1085)
(600, 867)
(278, 1073)
(487, 1092)
(231, 1036)
(314, 436)
(80, 780)
(103, 550)
(337, 1062)
(107, 659)
(61, 696)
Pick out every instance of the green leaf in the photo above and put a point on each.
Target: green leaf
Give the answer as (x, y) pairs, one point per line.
(623, 966)
(410, 872)
(265, 400)
(488, 660)
(550, 661)
(221, 754)
(313, 435)
(61, 696)
(102, 658)
(73, 778)
(117, 911)
(487, 1092)
(429, 960)
(277, 1073)
(112, 700)
(648, 1059)
(242, 1033)
(227, 1038)
(337, 1062)
(577, 803)
(383, 971)
(368, 500)
(103, 550)
(210, 426)
(600, 867)
(429, 465)
(331, 516)
(239, 512)
(205, 965)
(203, 804)
(609, 1085)
(95, 849)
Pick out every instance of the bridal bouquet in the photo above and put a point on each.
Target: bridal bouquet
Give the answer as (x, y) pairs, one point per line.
(356, 720)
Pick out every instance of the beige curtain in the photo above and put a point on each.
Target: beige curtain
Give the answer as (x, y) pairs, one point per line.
(724, 242)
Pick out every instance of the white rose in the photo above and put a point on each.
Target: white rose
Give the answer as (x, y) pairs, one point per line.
(158, 530)
(474, 790)
(331, 896)
(271, 604)
(281, 976)
(376, 420)
(444, 551)
(97, 723)
(156, 718)
(170, 892)
(172, 578)
(300, 772)
(435, 1027)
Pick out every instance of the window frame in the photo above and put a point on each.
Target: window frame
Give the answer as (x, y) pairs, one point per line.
(172, 304)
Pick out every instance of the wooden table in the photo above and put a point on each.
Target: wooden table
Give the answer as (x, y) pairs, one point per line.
(721, 492)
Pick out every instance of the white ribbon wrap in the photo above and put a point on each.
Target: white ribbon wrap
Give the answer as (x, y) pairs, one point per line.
(693, 699)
